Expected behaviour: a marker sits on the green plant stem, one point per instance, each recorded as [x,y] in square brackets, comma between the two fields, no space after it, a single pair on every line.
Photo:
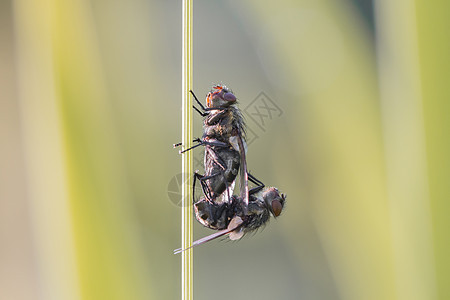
[186,219]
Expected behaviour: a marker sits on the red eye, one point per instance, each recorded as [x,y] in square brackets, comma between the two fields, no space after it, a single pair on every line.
[229,97]
[276,207]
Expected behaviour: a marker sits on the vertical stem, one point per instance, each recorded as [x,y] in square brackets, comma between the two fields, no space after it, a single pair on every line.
[186,219]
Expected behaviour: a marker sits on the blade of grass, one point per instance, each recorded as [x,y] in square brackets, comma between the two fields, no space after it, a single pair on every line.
[404,144]
[434,46]
[43,140]
[186,217]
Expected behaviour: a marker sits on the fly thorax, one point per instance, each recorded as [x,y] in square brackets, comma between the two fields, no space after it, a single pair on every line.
[256,207]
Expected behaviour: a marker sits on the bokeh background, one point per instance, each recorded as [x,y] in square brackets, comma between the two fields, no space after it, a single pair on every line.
[90,104]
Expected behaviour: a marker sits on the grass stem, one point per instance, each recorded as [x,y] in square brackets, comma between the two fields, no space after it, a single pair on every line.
[186,222]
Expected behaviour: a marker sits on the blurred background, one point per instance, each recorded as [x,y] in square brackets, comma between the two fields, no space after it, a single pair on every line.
[347,104]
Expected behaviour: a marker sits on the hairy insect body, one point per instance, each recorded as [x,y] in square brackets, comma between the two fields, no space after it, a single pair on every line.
[223,162]
[262,204]
[223,124]
[225,157]
[223,127]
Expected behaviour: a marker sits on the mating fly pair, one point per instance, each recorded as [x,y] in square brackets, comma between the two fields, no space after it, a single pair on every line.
[225,157]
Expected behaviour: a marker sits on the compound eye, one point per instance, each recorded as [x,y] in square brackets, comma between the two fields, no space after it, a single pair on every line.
[229,97]
[276,207]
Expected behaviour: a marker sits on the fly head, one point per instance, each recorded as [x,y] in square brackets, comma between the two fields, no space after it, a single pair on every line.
[220,97]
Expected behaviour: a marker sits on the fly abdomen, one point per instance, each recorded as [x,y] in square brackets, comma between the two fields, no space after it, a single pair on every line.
[213,215]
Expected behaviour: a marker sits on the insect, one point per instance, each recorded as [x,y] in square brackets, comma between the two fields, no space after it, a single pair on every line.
[222,165]
[235,218]
[224,141]
[225,154]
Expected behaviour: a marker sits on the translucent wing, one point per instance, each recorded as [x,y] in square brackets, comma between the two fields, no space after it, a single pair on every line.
[243,170]
[235,224]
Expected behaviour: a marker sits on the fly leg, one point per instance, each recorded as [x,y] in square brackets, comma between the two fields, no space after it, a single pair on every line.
[206,190]
[215,158]
[203,114]
[223,167]
[196,140]
[205,109]
[215,118]
[193,187]
[213,143]
[202,143]
[259,184]
[205,187]
[199,103]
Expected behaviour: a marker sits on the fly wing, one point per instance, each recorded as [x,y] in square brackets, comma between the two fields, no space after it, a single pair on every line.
[243,170]
[235,224]
[239,144]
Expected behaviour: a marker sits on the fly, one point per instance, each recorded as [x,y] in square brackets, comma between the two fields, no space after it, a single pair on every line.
[225,146]
[235,218]
[225,156]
